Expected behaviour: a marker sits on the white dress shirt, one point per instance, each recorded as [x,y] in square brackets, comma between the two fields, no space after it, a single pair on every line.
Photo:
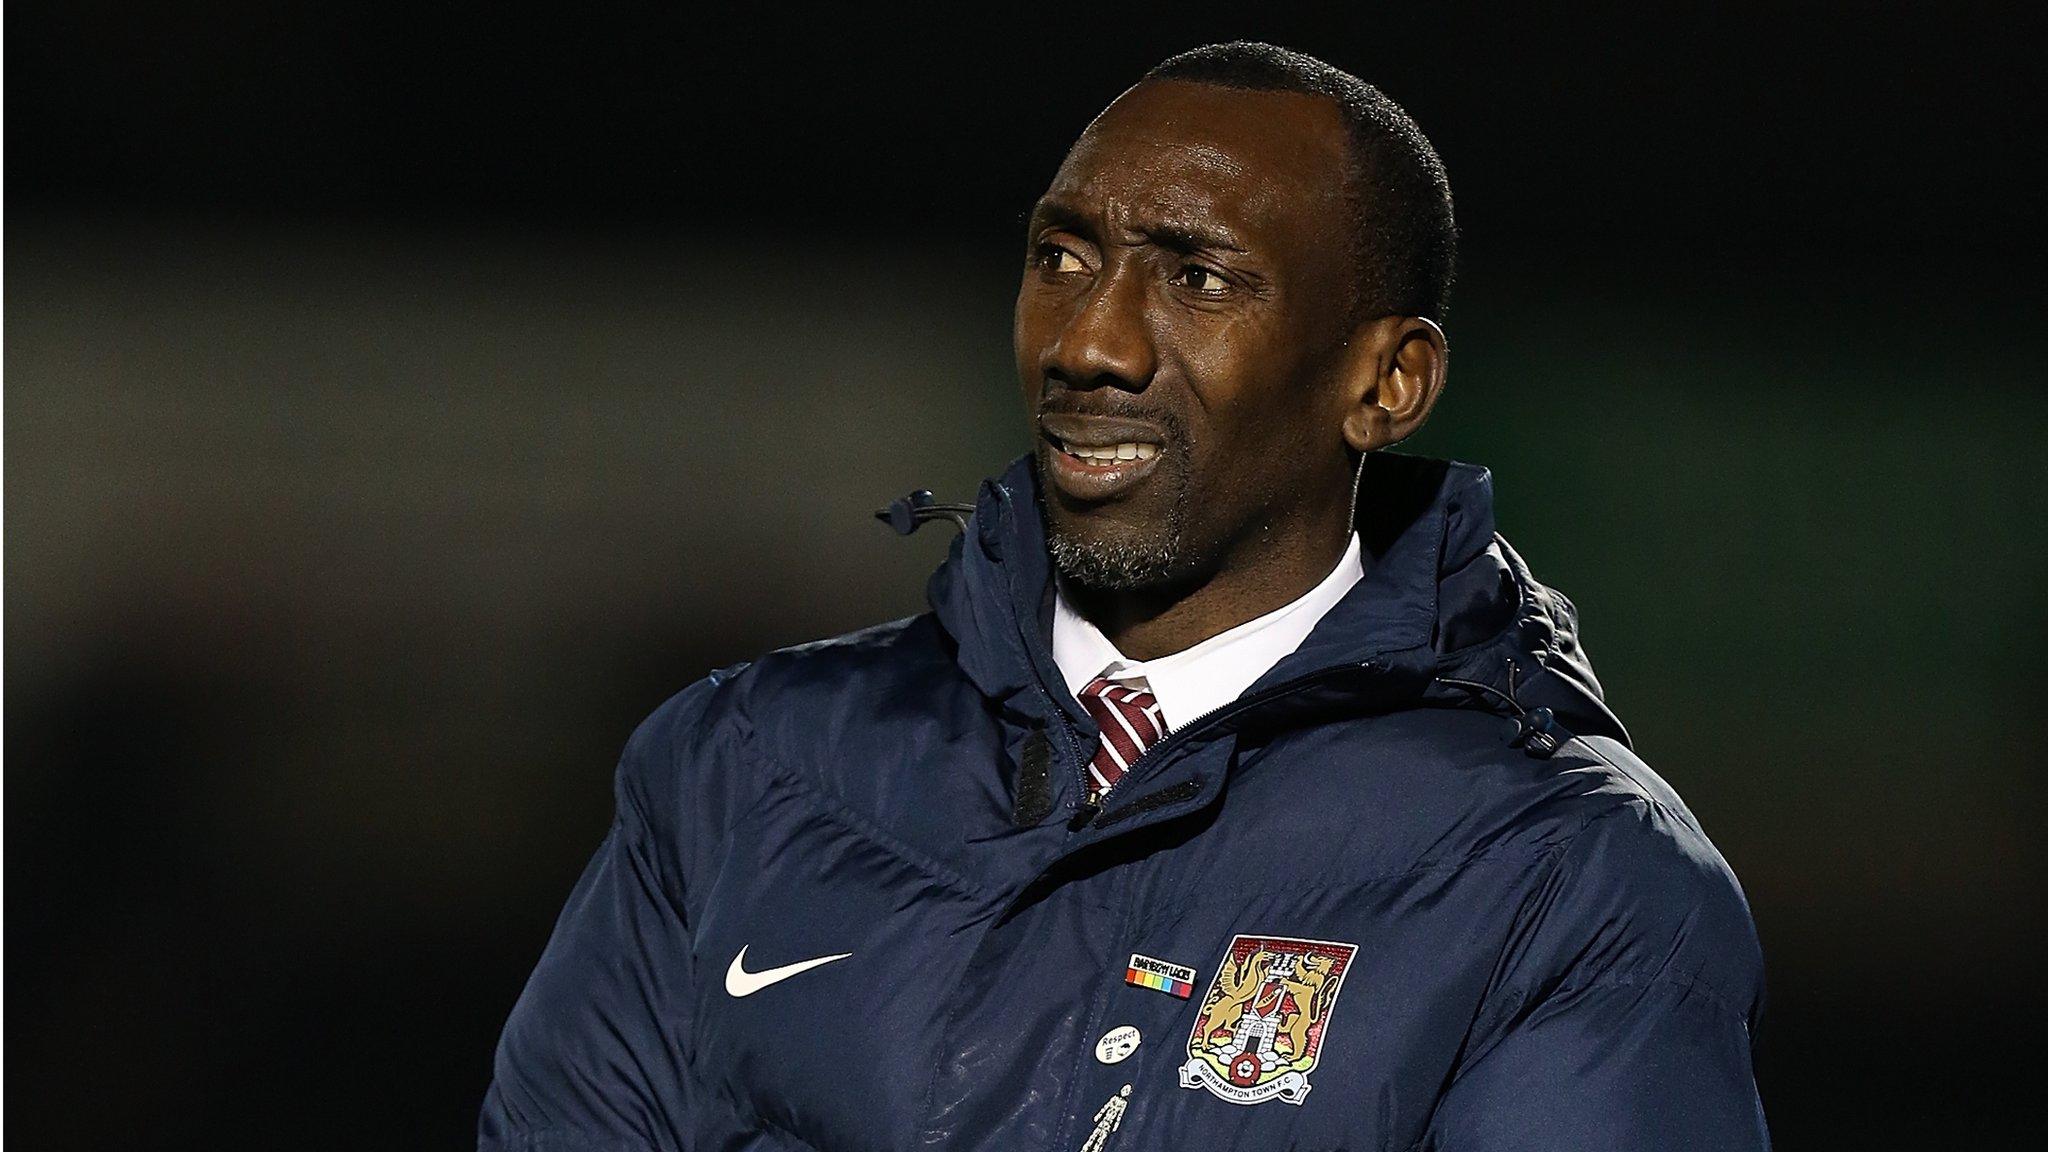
[1198,680]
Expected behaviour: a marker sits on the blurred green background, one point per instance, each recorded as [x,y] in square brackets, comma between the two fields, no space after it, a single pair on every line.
[397,411]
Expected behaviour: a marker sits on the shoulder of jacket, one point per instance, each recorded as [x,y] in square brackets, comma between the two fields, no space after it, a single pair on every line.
[1613,821]
[1463,781]
[1623,849]
[698,752]
[870,657]
[1638,893]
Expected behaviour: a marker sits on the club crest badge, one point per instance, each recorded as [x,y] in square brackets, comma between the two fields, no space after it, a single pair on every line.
[1264,1018]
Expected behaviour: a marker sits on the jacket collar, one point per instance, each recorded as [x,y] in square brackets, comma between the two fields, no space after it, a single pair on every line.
[1444,598]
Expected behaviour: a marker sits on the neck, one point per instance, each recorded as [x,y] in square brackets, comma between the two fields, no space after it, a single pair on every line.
[1269,570]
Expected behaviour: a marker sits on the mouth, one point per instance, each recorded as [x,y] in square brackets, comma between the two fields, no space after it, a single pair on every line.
[1094,458]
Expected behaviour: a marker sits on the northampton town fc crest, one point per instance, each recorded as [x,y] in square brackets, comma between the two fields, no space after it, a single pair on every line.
[1264,1018]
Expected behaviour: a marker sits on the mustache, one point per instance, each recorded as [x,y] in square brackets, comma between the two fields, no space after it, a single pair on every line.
[1065,404]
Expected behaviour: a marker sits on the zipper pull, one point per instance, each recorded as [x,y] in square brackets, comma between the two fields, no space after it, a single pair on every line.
[1539,734]
[1085,814]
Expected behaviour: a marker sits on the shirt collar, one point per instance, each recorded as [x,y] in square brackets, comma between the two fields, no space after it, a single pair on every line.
[1198,680]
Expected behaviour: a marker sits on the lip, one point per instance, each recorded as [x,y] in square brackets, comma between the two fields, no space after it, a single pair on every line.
[1088,480]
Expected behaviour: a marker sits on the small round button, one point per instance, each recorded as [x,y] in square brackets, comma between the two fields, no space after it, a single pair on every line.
[1117,1044]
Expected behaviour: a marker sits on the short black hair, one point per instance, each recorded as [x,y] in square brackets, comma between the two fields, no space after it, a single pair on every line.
[1406,237]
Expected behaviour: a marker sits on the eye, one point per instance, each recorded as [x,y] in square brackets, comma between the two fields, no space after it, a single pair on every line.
[1206,281]
[1057,260]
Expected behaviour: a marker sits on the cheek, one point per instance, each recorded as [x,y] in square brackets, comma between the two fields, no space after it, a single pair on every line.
[1246,397]
[1031,327]
[1229,358]
[1256,442]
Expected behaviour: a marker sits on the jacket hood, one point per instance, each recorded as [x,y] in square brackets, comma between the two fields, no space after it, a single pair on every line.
[1446,604]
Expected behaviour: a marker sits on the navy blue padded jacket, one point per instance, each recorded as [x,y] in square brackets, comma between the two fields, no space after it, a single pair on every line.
[1412,890]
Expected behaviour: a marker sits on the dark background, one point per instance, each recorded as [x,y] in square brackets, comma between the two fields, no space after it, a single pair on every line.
[403,399]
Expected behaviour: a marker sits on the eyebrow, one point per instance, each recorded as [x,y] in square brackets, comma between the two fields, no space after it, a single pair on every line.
[1179,235]
[1183,236]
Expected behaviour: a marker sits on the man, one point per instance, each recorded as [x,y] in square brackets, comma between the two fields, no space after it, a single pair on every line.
[1241,789]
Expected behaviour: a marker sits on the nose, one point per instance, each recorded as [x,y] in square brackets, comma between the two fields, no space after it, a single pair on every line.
[1105,341]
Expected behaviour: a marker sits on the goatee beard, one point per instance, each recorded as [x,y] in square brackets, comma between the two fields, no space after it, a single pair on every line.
[1127,562]
[1115,565]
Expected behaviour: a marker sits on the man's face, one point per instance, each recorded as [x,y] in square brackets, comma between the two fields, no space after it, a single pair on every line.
[1188,283]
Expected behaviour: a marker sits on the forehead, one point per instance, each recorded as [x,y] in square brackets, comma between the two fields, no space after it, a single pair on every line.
[1272,164]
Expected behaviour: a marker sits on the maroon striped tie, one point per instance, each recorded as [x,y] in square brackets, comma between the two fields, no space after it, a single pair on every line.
[1130,722]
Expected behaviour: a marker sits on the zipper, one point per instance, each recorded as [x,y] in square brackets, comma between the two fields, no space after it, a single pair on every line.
[1070,737]
[1085,814]
[1088,814]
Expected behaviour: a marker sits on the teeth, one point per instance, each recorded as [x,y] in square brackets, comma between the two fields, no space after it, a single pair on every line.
[1110,453]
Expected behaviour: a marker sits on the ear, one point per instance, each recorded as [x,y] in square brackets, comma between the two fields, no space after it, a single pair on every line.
[1394,372]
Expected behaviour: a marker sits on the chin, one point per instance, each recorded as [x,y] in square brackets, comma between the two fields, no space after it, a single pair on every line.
[1113,557]
[1126,544]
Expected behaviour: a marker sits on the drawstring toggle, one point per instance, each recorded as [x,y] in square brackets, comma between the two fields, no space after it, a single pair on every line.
[909,513]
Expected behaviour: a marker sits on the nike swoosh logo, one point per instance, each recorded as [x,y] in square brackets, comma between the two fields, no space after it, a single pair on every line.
[740,982]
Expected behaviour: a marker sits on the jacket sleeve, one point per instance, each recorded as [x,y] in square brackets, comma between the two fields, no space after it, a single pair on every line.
[593,1058]
[1624,1021]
